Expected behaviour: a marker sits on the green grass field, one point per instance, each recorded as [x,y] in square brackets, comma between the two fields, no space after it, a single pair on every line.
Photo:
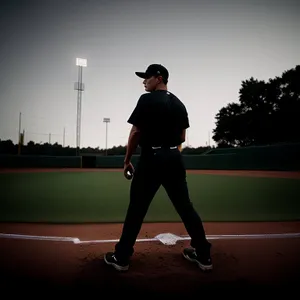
[77,197]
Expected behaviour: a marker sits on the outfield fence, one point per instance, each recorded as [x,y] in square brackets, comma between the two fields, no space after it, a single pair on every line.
[276,157]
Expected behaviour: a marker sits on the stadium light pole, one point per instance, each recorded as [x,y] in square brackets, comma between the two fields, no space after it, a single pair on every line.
[79,86]
[106,121]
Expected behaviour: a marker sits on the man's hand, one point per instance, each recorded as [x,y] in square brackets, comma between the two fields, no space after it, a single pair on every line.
[128,170]
[133,141]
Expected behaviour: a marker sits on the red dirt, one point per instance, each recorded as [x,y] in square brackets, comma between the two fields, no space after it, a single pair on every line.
[244,263]
[248,264]
[280,174]
[273,174]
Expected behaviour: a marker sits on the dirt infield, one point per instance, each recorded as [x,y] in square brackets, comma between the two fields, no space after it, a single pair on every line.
[155,267]
[279,174]
[243,263]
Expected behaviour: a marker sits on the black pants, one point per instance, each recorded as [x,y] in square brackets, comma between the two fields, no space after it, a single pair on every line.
[155,168]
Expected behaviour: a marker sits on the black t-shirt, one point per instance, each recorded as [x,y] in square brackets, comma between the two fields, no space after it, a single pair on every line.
[161,117]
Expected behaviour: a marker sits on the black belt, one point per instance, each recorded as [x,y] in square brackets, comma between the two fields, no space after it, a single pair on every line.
[154,148]
[164,147]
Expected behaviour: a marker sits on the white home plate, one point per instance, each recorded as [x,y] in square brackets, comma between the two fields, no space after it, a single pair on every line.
[168,238]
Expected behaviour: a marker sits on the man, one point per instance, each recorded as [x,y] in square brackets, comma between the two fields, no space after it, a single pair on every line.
[159,122]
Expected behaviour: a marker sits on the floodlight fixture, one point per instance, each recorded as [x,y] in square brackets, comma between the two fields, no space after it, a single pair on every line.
[81,62]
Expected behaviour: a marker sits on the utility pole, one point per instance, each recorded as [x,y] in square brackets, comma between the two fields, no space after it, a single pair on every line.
[64,137]
[187,138]
[19,137]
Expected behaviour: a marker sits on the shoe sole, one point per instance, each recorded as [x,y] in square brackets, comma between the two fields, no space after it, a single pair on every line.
[117,267]
[201,266]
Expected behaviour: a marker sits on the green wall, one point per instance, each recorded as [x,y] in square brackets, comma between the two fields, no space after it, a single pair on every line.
[277,157]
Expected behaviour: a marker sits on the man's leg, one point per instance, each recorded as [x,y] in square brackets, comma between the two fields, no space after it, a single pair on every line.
[179,195]
[144,186]
[175,184]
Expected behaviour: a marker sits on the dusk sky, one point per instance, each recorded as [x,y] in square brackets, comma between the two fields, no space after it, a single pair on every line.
[209,47]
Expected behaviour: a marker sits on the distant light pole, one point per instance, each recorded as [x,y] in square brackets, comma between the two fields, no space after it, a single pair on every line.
[79,86]
[19,139]
[106,120]
[187,138]
[64,137]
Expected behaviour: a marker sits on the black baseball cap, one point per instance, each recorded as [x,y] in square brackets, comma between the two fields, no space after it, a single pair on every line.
[154,70]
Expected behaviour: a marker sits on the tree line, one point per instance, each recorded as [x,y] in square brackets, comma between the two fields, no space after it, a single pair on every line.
[266,113]
[8,147]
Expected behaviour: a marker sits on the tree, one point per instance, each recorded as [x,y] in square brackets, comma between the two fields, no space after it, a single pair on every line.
[266,113]
[229,119]
[7,147]
[289,105]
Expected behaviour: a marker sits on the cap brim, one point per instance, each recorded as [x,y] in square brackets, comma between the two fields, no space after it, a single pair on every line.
[141,75]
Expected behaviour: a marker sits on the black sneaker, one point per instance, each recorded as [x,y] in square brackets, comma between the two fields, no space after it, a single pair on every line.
[203,262]
[111,259]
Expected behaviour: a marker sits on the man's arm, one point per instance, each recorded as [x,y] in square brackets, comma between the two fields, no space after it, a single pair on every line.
[133,141]
[184,124]
[136,119]
[182,137]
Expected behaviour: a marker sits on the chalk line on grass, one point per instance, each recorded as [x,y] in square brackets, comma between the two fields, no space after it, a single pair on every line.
[164,238]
